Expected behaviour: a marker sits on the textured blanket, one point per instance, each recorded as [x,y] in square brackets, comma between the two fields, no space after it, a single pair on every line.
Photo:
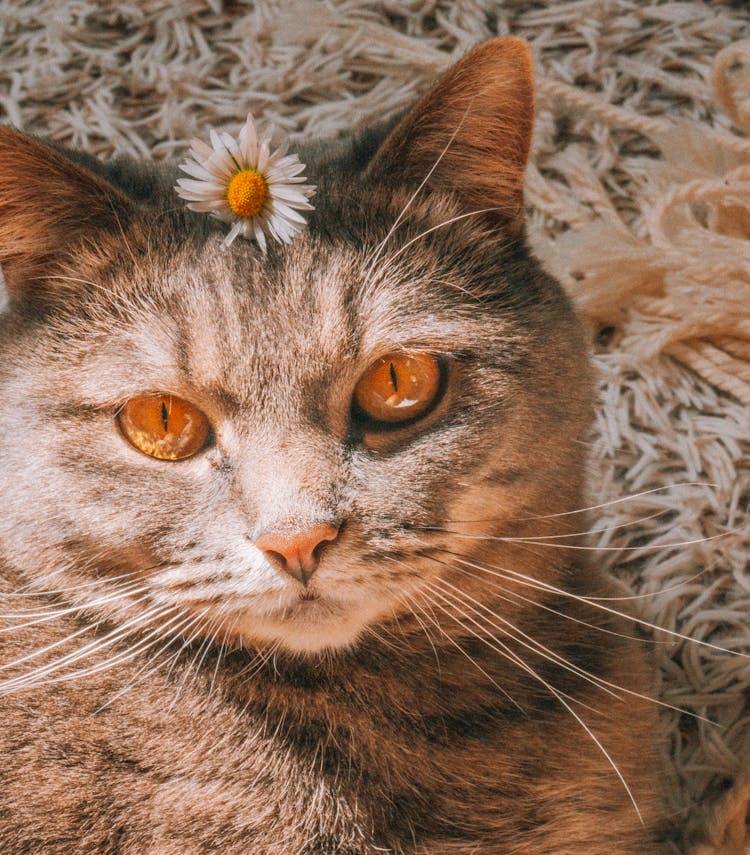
[639,201]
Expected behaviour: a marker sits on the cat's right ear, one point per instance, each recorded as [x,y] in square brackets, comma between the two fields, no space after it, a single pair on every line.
[470,134]
[51,209]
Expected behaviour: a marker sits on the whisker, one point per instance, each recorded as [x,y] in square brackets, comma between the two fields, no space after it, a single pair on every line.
[544,538]
[499,646]
[517,635]
[379,248]
[201,629]
[227,633]
[536,542]
[413,607]
[513,597]
[553,656]
[41,651]
[473,661]
[609,504]
[605,530]
[441,225]
[58,643]
[97,644]
[76,280]
[560,696]
[371,630]
[58,613]
[260,660]
[29,590]
[456,287]
[536,584]
[193,669]
[143,644]
[139,676]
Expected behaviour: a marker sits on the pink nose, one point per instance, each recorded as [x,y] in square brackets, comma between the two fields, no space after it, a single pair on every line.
[298,553]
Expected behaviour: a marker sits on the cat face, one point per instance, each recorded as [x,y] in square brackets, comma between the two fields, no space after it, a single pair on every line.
[283,359]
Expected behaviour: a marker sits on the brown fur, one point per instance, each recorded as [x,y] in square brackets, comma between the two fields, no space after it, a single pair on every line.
[393,711]
[47,203]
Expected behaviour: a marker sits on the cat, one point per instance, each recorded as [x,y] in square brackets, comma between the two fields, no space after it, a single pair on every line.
[318,623]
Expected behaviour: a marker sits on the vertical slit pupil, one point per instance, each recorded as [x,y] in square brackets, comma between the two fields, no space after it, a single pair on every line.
[394,377]
[164,416]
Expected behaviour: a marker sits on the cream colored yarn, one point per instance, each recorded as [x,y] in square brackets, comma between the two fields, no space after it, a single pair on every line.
[683,287]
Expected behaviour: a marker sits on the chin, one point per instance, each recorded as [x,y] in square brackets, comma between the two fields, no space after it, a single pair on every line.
[308,626]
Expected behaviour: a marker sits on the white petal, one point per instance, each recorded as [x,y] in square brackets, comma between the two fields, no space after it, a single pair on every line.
[199,150]
[190,197]
[215,140]
[192,185]
[222,165]
[202,200]
[289,173]
[197,170]
[280,153]
[197,197]
[286,231]
[285,179]
[290,195]
[282,210]
[290,162]
[263,154]
[261,238]
[301,204]
[276,228]
[280,189]
[232,234]
[213,205]
[249,141]
[233,149]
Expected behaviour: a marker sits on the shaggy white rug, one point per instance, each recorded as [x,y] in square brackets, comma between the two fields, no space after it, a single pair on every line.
[647,223]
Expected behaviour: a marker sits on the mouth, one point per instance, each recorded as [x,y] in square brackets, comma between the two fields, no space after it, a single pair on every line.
[311,608]
[307,625]
[306,621]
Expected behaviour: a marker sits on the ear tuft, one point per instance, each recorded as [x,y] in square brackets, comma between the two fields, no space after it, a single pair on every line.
[49,205]
[473,129]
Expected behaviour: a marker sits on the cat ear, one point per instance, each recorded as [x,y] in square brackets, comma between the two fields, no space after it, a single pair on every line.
[473,129]
[50,208]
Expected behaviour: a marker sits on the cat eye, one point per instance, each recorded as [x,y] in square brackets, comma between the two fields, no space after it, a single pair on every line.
[164,426]
[399,387]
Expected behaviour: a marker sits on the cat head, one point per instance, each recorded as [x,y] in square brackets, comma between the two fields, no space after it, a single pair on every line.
[287,448]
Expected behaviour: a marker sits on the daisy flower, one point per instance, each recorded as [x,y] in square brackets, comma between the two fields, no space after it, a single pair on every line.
[243,182]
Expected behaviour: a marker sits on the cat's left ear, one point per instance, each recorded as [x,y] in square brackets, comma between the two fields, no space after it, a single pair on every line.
[51,209]
[473,129]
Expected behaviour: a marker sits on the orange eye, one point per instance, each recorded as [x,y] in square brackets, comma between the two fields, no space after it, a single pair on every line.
[399,387]
[163,426]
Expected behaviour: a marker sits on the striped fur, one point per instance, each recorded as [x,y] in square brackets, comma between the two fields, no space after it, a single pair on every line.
[445,686]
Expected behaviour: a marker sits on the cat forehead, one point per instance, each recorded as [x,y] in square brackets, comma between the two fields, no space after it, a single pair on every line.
[236,322]
[245,323]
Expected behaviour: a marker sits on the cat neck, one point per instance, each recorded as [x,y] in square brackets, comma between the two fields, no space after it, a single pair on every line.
[468,659]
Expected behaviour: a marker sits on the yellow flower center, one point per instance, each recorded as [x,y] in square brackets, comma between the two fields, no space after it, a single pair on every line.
[246,192]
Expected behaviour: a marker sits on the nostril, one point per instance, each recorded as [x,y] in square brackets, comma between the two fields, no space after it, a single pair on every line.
[319,549]
[276,558]
[297,553]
